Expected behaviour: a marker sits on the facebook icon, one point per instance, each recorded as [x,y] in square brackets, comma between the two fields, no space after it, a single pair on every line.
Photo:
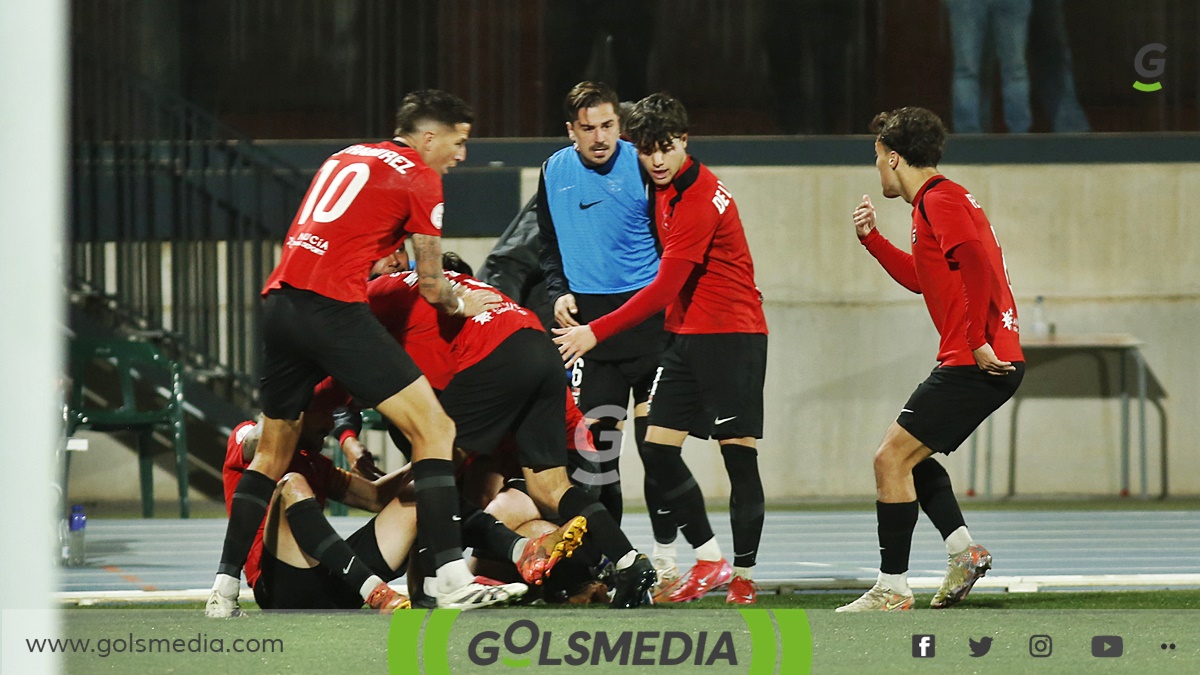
[923,646]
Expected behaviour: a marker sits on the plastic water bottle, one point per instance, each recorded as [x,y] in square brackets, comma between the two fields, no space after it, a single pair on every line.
[64,542]
[1039,327]
[75,541]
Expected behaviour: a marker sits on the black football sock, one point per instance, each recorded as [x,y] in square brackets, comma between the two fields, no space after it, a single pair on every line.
[607,439]
[316,537]
[896,524]
[936,496]
[600,524]
[746,502]
[661,522]
[680,492]
[437,511]
[246,512]
[484,534]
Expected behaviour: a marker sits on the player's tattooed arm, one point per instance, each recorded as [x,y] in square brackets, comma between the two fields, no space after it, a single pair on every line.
[430,281]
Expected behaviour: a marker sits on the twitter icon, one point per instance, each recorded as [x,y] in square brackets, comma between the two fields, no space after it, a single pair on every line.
[981,647]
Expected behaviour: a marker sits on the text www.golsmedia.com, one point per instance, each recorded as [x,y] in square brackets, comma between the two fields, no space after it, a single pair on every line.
[199,644]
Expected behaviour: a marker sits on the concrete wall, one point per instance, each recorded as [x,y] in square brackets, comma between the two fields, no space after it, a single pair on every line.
[1111,247]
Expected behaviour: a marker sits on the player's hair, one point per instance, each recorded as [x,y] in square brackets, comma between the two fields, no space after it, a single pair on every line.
[916,134]
[452,262]
[431,105]
[588,94]
[655,122]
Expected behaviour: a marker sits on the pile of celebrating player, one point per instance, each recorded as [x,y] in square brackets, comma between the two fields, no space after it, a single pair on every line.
[514,434]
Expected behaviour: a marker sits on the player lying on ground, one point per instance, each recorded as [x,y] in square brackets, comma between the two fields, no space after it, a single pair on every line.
[532,557]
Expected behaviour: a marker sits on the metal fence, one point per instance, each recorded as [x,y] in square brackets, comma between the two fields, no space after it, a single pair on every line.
[175,220]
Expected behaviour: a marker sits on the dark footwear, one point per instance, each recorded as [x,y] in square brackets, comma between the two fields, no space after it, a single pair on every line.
[632,584]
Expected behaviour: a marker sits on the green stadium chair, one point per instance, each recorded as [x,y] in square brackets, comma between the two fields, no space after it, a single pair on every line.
[128,357]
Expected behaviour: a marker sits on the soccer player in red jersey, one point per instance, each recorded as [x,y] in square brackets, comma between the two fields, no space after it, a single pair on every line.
[957,266]
[299,562]
[363,202]
[508,379]
[710,381]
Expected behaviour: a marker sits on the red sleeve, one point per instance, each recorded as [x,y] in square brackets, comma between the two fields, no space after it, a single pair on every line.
[391,300]
[977,287]
[425,204]
[235,461]
[898,264]
[672,274]
[693,226]
[949,219]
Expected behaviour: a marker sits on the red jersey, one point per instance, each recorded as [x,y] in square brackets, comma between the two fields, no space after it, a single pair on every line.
[423,331]
[698,221]
[314,466]
[484,332]
[952,216]
[359,207]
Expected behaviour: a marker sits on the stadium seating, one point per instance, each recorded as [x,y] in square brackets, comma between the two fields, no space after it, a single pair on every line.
[141,361]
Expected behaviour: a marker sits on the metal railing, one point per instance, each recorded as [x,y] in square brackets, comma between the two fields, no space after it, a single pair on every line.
[176,221]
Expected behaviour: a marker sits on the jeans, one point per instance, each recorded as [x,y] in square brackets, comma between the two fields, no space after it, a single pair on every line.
[1050,63]
[1006,22]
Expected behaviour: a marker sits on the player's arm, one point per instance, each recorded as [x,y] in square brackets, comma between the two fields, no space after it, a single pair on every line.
[977,280]
[898,264]
[550,258]
[373,496]
[431,283]
[347,426]
[672,274]
[956,233]
[685,249]
[437,290]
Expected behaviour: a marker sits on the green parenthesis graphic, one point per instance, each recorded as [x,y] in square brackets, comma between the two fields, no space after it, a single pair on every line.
[403,636]
[1153,86]
[795,638]
[762,641]
[437,641]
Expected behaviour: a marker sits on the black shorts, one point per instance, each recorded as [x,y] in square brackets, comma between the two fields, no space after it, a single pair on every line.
[608,383]
[520,387]
[282,586]
[953,401]
[711,385]
[309,336]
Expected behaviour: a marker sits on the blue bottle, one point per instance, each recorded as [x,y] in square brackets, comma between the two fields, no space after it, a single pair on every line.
[76,544]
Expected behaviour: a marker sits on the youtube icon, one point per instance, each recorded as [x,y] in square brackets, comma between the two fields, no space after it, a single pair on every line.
[1107,646]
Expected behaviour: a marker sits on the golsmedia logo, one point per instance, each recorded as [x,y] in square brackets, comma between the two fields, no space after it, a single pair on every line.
[757,641]
[1150,64]
[637,648]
